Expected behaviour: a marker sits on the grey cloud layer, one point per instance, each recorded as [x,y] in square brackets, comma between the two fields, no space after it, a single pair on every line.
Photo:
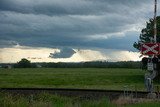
[52,23]
[61,7]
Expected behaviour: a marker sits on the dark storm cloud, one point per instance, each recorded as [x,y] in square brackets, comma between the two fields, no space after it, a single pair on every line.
[53,23]
[64,53]
[61,7]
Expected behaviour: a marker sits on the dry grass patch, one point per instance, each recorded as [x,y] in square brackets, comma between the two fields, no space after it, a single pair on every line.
[121,101]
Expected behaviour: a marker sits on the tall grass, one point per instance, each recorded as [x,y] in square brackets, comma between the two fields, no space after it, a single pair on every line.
[41,100]
[47,100]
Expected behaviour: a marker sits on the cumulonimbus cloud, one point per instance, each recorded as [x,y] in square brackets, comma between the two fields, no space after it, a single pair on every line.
[52,23]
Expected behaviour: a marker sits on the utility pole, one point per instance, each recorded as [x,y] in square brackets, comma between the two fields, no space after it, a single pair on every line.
[155,22]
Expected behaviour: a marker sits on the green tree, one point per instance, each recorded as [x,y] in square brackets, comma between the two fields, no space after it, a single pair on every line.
[24,63]
[147,33]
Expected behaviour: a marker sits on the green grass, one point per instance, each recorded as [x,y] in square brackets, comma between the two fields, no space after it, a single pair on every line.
[97,78]
[47,100]
[42,100]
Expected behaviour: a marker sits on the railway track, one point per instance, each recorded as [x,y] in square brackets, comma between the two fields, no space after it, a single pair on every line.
[80,93]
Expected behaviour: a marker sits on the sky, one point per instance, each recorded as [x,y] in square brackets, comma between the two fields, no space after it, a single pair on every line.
[72,30]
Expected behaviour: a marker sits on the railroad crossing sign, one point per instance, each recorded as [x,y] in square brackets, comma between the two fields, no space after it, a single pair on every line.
[150,49]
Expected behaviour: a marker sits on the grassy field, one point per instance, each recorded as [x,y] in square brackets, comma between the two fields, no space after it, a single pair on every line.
[97,78]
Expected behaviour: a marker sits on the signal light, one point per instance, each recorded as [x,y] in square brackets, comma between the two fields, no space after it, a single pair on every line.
[155,60]
[144,61]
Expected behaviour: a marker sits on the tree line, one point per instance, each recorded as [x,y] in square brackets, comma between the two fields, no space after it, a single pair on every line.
[95,64]
[24,63]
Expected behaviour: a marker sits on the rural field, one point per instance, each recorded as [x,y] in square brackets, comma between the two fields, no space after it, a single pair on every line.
[90,78]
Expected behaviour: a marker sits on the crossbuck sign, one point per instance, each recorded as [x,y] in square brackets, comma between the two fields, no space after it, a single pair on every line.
[150,49]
